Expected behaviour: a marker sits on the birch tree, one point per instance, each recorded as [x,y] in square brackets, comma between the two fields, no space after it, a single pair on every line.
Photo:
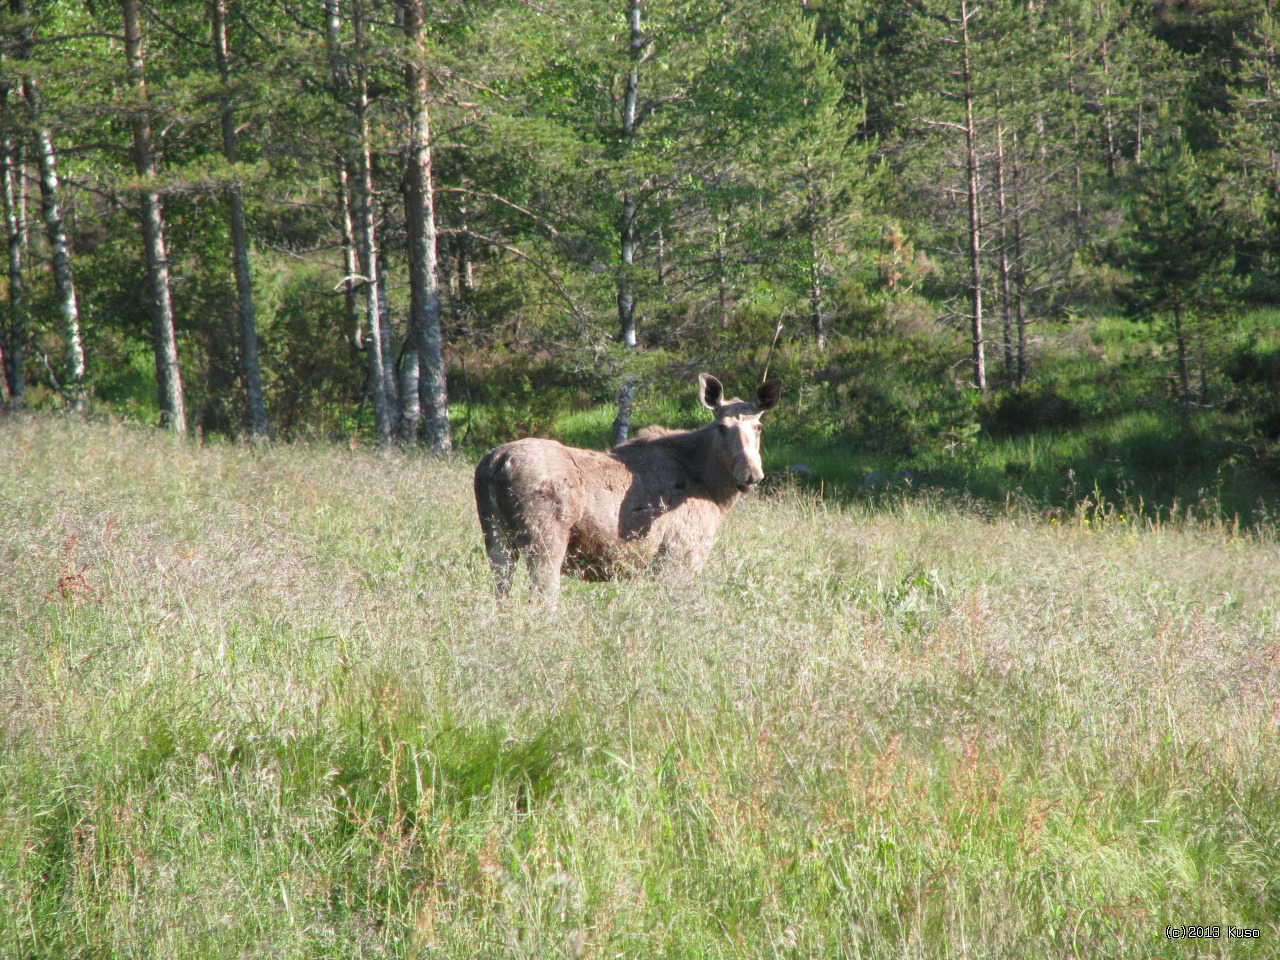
[13,343]
[353,85]
[55,230]
[627,221]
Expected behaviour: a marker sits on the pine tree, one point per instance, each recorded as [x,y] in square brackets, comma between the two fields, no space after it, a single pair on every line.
[953,106]
[250,367]
[1175,249]
[819,172]
[424,280]
[164,342]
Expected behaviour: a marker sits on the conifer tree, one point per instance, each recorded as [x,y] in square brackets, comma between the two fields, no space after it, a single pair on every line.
[251,370]
[164,342]
[1176,251]
[420,216]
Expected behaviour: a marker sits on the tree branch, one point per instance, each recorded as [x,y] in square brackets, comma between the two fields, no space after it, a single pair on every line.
[540,267]
[519,209]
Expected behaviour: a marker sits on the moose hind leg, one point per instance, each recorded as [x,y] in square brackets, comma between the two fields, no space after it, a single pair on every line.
[545,557]
[502,561]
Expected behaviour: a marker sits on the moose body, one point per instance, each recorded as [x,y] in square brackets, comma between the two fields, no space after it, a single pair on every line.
[657,499]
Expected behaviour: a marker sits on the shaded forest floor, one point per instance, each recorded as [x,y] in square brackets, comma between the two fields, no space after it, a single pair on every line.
[262,700]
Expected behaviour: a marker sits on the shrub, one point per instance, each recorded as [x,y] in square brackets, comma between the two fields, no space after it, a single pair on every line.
[1029,410]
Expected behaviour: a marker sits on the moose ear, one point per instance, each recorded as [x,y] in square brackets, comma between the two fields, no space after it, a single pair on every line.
[710,391]
[768,395]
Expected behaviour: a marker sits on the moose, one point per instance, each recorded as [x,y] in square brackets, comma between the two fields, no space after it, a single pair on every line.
[654,501]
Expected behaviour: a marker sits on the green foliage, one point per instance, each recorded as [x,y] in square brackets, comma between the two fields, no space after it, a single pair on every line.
[1039,408]
[315,377]
[1176,246]
[791,160]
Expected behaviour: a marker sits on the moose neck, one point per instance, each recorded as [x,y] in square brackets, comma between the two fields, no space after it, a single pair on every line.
[716,478]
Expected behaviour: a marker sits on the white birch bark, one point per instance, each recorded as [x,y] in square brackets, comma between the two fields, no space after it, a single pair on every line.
[366,232]
[350,263]
[627,230]
[14,340]
[60,250]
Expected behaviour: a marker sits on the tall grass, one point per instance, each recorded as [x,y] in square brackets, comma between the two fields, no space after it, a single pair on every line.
[260,703]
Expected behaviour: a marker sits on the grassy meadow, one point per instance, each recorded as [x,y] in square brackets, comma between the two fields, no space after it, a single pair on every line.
[260,703]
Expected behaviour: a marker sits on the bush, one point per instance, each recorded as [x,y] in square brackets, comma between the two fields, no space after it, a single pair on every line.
[1253,370]
[1030,410]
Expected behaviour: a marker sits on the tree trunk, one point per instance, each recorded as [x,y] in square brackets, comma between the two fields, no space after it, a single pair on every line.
[360,163]
[1075,146]
[1268,88]
[815,295]
[14,341]
[1184,371]
[661,254]
[249,366]
[387,330]
[466,273]
[424,278]
[465,267]
[172,411]
[1107,126]
[1137,139]
[815,277]
[338,79]
[1019,271]
[410,391]
[626,284]
[1005,298]
[627,230]
[366,229]
[975,246]
[350,264]
[626,403]
[1204,376]
[63,278]
[722,281]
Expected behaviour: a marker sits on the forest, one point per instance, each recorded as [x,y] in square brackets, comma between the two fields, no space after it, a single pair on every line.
[1028,247]
[987,666]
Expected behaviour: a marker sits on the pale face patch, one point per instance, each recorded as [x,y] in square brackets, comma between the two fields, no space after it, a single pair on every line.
[738,431]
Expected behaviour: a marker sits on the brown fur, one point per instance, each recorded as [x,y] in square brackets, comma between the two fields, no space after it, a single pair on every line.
[656,499]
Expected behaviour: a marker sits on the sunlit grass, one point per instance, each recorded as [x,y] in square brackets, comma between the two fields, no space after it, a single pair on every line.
[259,702]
